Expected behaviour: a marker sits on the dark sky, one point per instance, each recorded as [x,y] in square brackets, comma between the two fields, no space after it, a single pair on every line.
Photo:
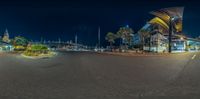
[63,19]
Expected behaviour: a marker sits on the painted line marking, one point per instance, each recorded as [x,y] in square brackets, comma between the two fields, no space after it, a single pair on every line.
[194,56]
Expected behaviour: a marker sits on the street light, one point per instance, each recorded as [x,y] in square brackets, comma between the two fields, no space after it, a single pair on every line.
[170,33]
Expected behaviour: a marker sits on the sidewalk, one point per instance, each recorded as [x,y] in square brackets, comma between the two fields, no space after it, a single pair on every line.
[139,54]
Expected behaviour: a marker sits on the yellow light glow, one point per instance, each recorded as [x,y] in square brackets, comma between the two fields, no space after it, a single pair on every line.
[159,21]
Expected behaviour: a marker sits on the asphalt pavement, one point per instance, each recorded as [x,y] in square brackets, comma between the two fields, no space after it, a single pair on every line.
[85,75]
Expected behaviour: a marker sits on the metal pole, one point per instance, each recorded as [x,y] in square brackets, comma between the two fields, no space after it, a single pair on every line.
[157,43]
[76,40]
[142,44]
[99,38]
[150,43]
[170,35]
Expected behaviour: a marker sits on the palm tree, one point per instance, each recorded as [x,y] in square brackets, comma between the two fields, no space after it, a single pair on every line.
[126,35]
[146,35]
[143,34]
[110,37]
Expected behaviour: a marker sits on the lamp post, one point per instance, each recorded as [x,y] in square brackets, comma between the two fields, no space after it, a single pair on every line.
[170,34]
[76,42]
[99,38]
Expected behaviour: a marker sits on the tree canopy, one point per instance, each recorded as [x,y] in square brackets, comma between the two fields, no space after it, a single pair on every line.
[126,34]
[20,41]
[110,37]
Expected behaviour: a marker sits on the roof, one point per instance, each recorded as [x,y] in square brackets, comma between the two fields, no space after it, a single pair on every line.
[159,21]
[173,12]
[166,13]
[3,43]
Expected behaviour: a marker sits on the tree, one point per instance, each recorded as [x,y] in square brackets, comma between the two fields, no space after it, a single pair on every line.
[20,41]
[110,37]
[144,34]
[149,34]
[126,35]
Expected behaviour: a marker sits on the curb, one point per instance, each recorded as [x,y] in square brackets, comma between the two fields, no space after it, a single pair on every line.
[39,57]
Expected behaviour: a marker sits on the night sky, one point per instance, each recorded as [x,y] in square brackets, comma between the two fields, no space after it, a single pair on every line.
[63,19]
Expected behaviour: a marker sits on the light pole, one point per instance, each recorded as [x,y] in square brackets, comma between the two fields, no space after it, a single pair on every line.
[99,38]
[76,42]
[170,34]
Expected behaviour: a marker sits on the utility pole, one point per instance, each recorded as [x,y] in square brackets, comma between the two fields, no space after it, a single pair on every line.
[59,40]
[41,40]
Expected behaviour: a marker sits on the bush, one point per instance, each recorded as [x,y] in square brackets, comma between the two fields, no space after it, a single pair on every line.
[36,50]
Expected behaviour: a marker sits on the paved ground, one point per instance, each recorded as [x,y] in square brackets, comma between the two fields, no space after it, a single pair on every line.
[95,76]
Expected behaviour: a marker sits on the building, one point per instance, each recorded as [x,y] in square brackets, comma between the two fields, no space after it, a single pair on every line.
[5,45]
[6,37]
[164,33]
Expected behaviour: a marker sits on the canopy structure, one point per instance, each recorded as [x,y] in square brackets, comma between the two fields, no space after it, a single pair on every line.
[172,13]
[159,21]
[162,19]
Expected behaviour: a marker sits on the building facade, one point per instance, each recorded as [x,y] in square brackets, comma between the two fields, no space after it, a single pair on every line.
[6,38]
[5,41]
[164,32]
